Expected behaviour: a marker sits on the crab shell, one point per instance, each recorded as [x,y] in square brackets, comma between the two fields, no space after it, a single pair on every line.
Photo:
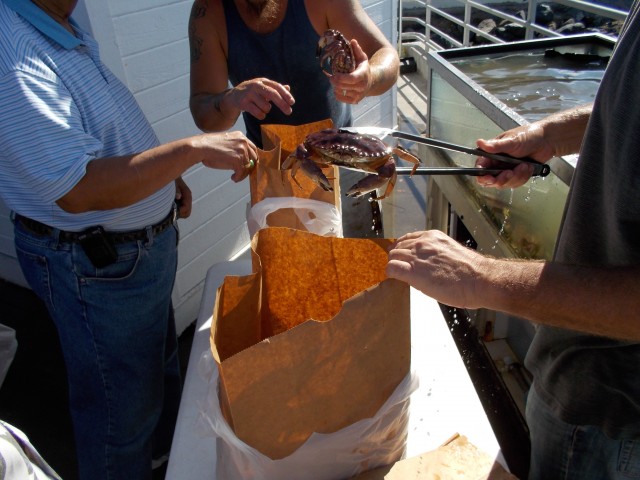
[335,53]
[354,151]
[347,149]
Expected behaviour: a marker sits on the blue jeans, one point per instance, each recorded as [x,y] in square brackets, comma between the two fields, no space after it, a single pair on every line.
[119,343]
[561,451]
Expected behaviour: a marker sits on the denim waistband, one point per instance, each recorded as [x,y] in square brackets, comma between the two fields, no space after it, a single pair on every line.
[42,229]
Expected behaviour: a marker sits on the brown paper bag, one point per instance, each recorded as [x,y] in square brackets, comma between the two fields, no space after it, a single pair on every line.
[313,341]
[268,181]
[457,459]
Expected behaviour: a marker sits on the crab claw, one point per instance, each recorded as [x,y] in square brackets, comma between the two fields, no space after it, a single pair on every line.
[300,159]
[315,173]
[385,175]
[366,185]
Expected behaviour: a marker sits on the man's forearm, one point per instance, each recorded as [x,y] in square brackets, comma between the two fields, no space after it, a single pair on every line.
[601,301]
[565,129]
[211,113]
[384,71]
[117,182]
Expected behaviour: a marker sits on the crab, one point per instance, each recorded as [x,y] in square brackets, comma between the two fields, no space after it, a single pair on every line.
[354,151]
[335,53]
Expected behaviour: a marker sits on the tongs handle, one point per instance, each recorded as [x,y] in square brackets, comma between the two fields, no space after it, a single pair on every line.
[473,172]
[539,169]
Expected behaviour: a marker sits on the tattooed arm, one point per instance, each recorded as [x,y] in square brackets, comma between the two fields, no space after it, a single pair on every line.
[209,77]
[214,106]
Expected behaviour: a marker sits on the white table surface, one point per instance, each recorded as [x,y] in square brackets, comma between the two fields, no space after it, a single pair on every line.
[445,403]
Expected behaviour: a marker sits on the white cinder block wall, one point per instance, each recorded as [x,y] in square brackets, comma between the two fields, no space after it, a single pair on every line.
[145,44]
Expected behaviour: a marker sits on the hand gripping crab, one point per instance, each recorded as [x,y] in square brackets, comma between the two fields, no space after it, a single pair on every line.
[350,150]
[335,53]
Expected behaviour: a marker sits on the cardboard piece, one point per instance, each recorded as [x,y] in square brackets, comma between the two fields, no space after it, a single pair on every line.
[456,459]
[267,180]
[314,340]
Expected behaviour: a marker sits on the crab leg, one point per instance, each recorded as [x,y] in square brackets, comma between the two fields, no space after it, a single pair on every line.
[406,155]
[385,175]
[301,159]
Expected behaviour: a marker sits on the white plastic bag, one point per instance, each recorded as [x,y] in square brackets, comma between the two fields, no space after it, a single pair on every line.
[8,346]
[318,217]
[19,459]
[361,446]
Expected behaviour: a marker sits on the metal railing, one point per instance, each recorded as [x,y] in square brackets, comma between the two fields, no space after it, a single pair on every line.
[531,28]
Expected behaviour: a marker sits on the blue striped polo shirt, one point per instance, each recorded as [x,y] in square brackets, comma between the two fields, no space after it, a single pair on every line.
[61,108]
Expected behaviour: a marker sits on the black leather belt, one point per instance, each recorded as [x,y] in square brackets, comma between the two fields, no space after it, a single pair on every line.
[117,237]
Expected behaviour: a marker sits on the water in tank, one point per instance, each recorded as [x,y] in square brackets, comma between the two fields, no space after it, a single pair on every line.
[479,92]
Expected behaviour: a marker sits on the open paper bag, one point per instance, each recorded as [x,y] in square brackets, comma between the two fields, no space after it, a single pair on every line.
[267,181]
[314,340]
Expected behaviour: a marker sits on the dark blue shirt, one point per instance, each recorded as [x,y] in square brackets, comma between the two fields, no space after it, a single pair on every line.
[288,56]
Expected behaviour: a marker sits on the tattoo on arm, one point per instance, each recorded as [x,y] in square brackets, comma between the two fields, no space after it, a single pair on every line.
[195,44]
[199,10]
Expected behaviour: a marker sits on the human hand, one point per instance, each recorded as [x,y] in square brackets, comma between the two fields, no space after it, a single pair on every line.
[228,151]
[184,199]
[524,141]
[258,95]
[438,266]
[353,87]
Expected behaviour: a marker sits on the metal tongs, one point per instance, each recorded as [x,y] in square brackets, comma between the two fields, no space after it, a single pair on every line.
[539,169]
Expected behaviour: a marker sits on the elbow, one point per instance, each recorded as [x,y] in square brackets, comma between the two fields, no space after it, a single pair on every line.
[206,118]
[199,120]
[196,111]
[199,114]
